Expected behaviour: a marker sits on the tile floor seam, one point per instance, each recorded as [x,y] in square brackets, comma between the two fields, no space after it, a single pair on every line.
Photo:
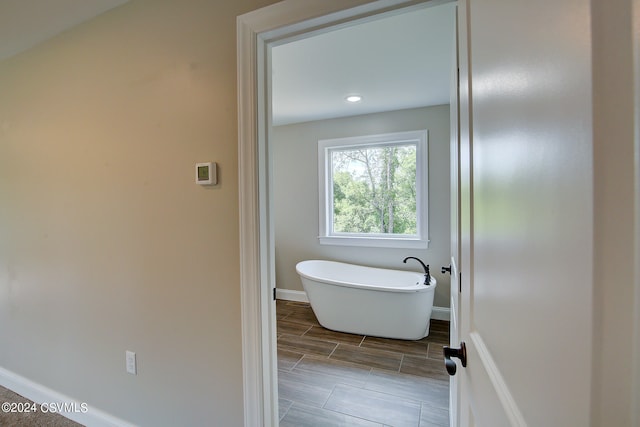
[397,396]
[308,329]
[286,412]
[329,397]
[296,364]
[362,340]
[333,351]
[417,403]
[348,415]
[355,416]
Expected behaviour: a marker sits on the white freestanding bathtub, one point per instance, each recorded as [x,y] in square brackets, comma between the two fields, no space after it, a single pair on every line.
[368,301]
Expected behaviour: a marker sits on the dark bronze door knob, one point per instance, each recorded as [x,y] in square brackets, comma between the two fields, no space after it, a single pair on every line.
[460,353]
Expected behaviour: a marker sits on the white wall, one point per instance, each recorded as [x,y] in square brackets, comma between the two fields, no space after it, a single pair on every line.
[106,243]
[295,178]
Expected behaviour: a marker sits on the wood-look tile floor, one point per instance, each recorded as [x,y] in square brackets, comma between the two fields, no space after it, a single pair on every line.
[328,378]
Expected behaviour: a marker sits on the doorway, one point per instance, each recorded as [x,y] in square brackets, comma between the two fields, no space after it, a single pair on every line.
[257,207]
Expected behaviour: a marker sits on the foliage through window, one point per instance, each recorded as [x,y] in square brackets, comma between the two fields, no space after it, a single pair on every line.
[373,190]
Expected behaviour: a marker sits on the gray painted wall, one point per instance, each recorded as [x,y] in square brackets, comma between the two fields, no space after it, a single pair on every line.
[106,242]
[295,179]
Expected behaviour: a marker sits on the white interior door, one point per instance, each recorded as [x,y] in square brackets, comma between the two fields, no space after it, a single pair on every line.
[526,241]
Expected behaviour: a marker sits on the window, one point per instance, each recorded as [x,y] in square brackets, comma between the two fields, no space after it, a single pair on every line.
[373,190]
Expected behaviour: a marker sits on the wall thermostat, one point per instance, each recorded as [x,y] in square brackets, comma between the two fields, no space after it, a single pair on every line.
[206,173]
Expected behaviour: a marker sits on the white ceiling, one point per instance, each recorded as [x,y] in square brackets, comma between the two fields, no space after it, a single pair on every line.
[27,23]
[397,62]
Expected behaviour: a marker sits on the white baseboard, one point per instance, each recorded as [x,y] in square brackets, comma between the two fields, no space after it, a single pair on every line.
[289,295]
[438,313]
[80,412]
[441,313]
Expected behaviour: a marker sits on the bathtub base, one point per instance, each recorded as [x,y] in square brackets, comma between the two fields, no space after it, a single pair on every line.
[385,315]
[382,313]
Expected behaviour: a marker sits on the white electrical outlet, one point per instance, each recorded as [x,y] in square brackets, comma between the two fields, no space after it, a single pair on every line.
[131,362]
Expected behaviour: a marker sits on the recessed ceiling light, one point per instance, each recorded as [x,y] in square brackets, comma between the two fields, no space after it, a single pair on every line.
[353,98]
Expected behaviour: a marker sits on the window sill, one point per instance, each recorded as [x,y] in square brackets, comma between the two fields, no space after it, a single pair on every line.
[374,242]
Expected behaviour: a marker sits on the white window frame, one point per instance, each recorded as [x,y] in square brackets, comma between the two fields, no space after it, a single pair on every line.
[325,183]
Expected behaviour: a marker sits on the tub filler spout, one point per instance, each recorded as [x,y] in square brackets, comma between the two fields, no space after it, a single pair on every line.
[427,275]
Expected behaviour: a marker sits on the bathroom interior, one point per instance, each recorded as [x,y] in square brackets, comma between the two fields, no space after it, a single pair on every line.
[401,66]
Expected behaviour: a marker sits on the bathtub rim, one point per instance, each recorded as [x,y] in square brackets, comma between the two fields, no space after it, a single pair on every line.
[404,289]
